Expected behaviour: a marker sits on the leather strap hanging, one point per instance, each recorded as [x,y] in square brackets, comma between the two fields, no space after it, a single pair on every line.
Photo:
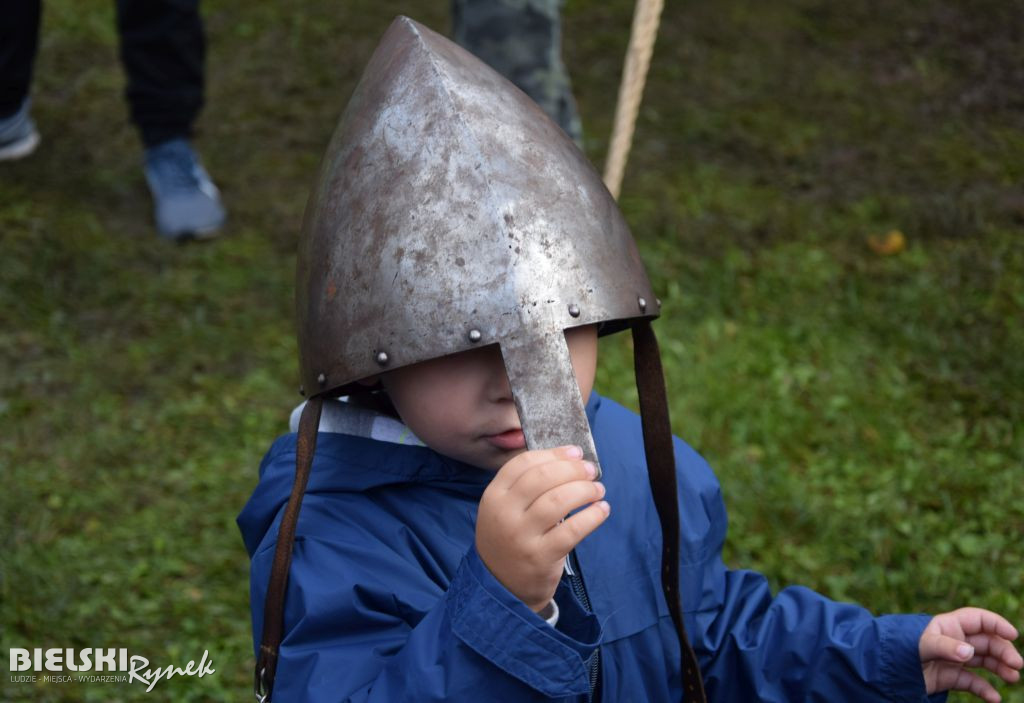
[661,469]
[273,607]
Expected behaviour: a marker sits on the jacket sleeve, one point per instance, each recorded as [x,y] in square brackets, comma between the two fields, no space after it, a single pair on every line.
[794,646]
[369,627]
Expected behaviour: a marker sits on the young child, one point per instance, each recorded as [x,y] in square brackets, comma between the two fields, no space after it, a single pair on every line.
[459,260]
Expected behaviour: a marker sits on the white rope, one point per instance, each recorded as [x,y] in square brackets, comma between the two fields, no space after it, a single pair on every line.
[634,73]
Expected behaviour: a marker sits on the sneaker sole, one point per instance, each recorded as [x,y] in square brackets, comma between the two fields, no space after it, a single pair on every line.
[21,148]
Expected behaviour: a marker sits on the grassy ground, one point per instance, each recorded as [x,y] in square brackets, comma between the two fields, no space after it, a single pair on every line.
[864,409]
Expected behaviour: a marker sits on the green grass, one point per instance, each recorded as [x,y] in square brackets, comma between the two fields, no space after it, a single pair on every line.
[863,412]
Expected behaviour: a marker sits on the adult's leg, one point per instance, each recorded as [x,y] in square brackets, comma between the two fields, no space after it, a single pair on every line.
[522,40]
[163,51]
[19,38]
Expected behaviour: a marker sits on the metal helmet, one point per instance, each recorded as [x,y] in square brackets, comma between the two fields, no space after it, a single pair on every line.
[450,212]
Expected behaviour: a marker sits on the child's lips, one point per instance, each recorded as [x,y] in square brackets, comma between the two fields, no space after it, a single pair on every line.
[508,440]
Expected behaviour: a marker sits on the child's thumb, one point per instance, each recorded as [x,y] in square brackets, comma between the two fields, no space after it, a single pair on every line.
[936,646]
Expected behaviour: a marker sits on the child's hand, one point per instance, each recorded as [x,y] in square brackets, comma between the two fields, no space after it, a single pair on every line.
[968,637]
[520,533]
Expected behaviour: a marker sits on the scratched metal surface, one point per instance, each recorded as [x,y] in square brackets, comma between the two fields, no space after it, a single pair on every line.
[450,212]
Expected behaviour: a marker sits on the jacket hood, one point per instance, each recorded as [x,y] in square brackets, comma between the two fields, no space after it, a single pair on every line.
[346,463]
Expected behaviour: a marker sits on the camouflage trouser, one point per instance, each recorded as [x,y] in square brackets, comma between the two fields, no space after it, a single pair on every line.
[522,40]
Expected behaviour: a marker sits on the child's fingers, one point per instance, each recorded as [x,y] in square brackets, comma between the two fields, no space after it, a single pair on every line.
[997,655]
[1006,673]
[935,646]
[541,478]
[971,682]
[563,537]
[998,647]
[975,620]
[553,505]
[520,464]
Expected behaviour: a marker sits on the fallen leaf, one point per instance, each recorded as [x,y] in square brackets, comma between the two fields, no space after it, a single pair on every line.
[886,245]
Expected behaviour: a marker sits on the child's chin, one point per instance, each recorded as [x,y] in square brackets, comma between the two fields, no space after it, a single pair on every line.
[497,458]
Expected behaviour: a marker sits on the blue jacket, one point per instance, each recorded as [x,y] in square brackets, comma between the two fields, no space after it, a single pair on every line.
[388,600]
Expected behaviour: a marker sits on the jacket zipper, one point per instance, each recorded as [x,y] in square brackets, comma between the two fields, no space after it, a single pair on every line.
[572,570]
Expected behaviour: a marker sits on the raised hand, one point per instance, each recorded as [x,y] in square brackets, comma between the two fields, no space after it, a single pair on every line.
[522,533]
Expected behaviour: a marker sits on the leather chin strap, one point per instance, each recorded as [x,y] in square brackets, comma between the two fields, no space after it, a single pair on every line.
[273,607]
[661,467]
[661,470]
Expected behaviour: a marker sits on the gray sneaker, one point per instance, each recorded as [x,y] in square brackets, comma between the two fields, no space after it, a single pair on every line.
[18,135]
[186,202]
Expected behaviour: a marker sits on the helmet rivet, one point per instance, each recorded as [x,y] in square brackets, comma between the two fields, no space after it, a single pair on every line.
[383,358]
[321,379]
[475,336]
[642,302]
[574,309]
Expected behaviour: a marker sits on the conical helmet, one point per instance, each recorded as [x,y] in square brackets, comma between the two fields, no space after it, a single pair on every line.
[450,212]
